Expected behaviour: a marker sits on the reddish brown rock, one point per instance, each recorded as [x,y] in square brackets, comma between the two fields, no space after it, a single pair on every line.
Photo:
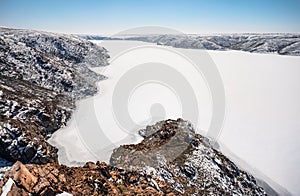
[91,179]
[22,177]
[15,191]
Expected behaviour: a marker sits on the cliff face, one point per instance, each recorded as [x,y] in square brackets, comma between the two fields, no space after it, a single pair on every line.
[41,76]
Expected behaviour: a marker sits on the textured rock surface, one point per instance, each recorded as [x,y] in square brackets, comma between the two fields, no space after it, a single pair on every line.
[52,61]
[41,76]
[91,179]
[171,151]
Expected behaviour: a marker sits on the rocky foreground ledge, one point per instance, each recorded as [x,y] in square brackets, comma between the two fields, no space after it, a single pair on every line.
[171,160]
[91,179]
[172,152]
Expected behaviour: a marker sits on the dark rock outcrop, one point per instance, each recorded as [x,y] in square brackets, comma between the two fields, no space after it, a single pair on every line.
[173,152]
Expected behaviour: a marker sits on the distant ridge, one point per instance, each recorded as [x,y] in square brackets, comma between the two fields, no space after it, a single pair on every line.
[280,43]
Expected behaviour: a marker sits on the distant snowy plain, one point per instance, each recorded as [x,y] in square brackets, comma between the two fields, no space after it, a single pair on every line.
[261,131]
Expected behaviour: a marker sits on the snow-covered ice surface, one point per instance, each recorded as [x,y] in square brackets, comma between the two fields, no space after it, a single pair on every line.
[263,109]
[262,112]
[96,112]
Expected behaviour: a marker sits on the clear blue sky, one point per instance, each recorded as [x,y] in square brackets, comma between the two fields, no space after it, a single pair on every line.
[188,16]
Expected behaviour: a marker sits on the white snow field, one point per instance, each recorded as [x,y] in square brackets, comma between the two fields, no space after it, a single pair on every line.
[262,121]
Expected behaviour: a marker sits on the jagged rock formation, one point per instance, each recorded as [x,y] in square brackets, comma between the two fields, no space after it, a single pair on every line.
[41,76]
[172,152]
[91,179]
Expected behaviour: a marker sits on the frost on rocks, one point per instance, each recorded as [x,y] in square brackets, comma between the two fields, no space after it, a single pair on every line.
[52,61]
[41,76]
[283,44]
[172,152]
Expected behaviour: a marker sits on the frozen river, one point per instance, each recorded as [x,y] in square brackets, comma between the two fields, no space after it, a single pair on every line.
[262,119]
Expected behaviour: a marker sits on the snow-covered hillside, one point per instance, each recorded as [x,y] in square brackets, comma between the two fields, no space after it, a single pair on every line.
[283,44]
[41,76]
[52,61]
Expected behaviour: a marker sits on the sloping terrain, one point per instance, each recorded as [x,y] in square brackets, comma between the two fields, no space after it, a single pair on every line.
[172,152]
[41,76]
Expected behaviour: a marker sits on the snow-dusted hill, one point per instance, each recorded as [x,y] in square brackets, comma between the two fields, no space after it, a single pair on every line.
[52,61]
[283,44]
[41,76]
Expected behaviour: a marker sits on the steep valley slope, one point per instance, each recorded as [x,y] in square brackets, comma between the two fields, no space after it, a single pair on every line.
[41,76]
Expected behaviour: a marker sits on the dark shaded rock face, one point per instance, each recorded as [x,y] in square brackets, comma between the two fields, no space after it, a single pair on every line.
[91,179]
[29,114]
[171,151]
[41,76]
